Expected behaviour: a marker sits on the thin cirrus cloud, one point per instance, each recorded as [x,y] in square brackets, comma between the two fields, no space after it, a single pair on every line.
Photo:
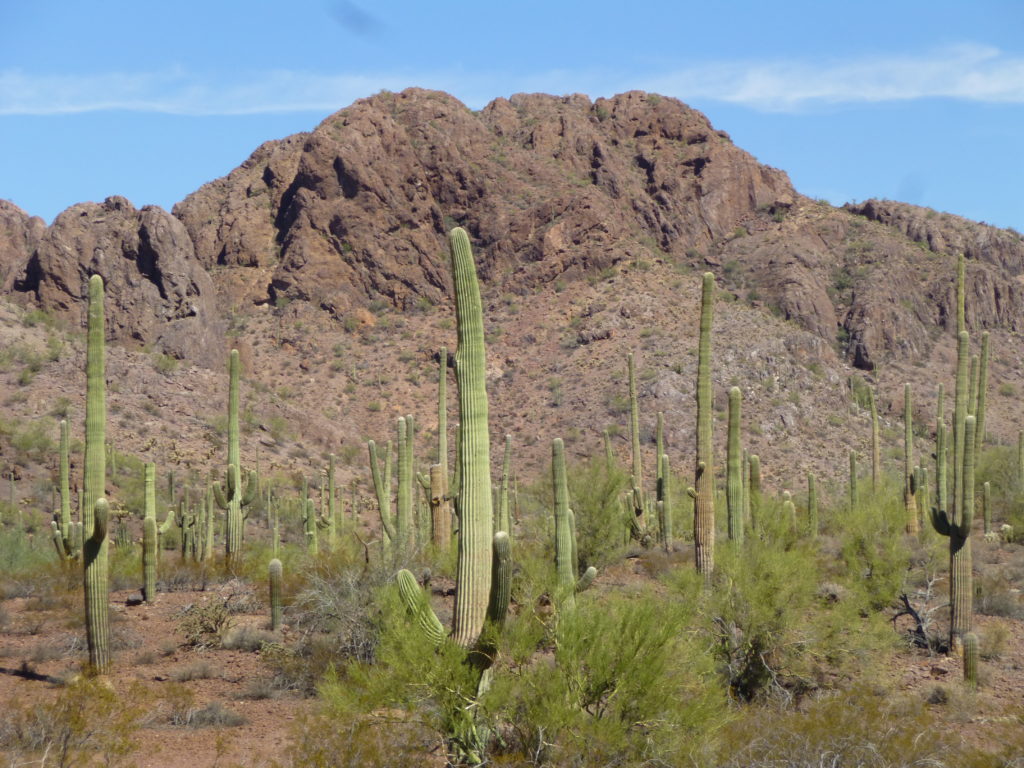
[966,72]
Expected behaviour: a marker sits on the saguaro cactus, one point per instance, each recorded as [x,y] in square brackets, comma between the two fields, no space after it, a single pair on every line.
[310,527]
[665,504]
[67,536]
[812,505]
[234,497]
[957,526]
[909,497]
[789,508]
[734,484]
[65,485]
[986,508]
[403,517]
[440,515]
[876,447]
[941,465]
[274,570]
[473,571]
[382,488]
[853,479]
[95,508]
[639,524]
[754,489]
[566,561]
[442,412]
[504,515]
[971,660]
[704,473]
[149,536]
[980,399]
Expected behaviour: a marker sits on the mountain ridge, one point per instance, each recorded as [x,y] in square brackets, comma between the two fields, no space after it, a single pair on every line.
[587,217]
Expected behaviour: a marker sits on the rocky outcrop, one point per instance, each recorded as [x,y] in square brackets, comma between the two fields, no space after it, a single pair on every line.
[550,187]
[157,293]
[552,190]
[946,233]
[19,234]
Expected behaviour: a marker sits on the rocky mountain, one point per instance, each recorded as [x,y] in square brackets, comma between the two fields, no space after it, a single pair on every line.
[323,259]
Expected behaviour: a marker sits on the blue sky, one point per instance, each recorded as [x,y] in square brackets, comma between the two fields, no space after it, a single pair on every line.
[917,101]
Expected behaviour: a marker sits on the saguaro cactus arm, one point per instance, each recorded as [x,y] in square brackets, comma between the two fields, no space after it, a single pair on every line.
[418,605]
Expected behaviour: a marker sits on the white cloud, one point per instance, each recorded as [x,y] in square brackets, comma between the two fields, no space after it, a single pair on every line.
[967,72]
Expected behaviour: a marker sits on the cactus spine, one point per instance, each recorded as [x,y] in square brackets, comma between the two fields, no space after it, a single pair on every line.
[274,571]
[96,510]
[909,497]
[734,484]
[234,497]
[704,473]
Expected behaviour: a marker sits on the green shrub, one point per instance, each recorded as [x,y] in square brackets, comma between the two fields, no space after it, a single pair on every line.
[594,493]
[628,683]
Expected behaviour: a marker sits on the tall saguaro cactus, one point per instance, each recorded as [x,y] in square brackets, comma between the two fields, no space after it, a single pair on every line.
[704,473]
[639,524]
[853,479]
[403,516]
[753,493]
[274,572]
[566,576]
[909,496]
[876,446]
[957,526]
[473,572]
[95,508]
[149,536]
[504,514]
[234,496]
[941,465]
[812,505]
[734,459]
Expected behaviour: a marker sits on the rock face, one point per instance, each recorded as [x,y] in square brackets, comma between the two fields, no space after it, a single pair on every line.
[549,187]
[552,190]
[19,234]
[156,290]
